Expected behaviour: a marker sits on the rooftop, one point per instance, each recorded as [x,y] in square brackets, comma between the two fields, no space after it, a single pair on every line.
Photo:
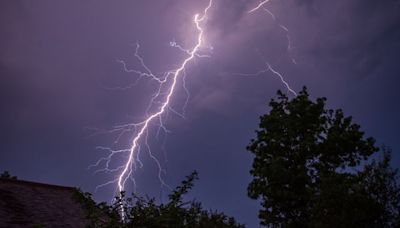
[31,204]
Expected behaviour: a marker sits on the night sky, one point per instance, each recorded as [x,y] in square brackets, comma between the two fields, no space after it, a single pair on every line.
[59,71]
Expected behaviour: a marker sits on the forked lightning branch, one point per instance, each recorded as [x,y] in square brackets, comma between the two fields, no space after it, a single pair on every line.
[160,102]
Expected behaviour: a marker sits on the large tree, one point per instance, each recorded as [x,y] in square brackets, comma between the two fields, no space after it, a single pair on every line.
[308,169]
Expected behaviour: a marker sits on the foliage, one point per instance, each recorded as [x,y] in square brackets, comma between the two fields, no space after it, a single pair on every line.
[382,183]
[307,169]
[7,175]
[142,212]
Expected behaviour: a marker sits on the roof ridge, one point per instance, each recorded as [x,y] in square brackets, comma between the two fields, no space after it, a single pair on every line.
[38,184]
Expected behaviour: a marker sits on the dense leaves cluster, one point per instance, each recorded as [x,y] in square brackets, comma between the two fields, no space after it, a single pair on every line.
[308,169]
[142,212]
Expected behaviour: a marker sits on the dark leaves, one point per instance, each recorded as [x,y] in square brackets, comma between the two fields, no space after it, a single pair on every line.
[142,212]
[303,170]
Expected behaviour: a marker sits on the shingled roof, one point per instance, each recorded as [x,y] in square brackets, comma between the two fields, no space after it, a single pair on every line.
[30,204]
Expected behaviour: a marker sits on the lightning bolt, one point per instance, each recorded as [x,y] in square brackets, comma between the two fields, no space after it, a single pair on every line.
[284,28]
[160,101]
[127,170]
[261,4]
[275,72]
[160,104]
[281,78]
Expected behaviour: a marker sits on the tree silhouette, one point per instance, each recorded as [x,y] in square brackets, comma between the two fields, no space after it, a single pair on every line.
[7,175]
[142,212]
[307,169]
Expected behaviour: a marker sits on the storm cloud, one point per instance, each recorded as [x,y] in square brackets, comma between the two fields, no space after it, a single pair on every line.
[58,61]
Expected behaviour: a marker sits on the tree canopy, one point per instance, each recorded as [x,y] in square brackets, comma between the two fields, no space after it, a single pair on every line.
[142,212]
[311,169]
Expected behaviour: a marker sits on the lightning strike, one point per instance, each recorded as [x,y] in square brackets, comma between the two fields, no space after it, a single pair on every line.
[269,68]
[261,4]
[282,79]
[159,106]
[160,101]
[127,170]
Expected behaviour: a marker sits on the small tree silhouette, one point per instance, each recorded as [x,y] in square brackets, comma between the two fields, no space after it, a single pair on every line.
[7,175]
[142,212]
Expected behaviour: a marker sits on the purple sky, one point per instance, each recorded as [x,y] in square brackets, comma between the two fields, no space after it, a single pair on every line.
[58,58]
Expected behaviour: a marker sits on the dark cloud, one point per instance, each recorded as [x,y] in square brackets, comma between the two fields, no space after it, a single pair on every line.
[58,61]
[356,34]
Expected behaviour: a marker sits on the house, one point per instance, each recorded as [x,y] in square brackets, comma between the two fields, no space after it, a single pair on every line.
[31,204]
